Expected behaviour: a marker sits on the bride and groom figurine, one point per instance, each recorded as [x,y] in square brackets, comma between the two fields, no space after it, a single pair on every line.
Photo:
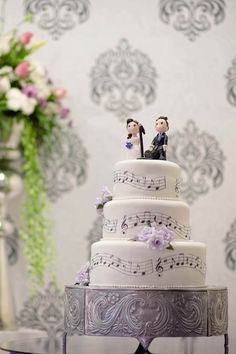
[134,142]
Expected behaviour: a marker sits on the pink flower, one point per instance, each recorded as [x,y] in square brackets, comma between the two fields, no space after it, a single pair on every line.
[25,38]
[60,92]
[22,69]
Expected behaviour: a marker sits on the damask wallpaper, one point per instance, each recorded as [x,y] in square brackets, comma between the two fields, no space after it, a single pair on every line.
[142,59]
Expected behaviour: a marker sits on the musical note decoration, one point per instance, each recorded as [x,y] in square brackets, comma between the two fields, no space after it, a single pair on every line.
[160,266]
[121,265]
[146,218]
[110,225]
[179,260]
[144,183]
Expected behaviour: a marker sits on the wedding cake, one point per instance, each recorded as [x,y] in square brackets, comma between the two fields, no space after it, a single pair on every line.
[146,241]
[146,276]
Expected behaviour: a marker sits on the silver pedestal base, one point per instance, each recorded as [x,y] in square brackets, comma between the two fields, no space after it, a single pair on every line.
[146,313]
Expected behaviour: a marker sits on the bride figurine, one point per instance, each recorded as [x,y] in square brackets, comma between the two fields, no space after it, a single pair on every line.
[133,139]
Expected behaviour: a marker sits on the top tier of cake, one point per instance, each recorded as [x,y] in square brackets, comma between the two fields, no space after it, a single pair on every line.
[145,179]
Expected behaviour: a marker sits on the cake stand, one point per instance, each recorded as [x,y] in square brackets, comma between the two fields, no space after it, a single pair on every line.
[146,314]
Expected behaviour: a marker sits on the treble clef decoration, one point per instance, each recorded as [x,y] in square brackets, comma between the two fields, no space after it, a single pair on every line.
[124,225]
[159,267]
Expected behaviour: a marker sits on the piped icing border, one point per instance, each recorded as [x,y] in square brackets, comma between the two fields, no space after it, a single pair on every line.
[160,265]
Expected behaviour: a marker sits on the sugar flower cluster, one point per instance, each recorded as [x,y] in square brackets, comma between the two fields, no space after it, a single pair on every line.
[155,236]
[105,197]
[82,276]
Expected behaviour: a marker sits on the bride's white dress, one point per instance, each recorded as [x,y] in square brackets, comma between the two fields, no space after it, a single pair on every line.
[134,151]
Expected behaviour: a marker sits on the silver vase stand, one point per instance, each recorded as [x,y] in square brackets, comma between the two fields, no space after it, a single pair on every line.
[146,314]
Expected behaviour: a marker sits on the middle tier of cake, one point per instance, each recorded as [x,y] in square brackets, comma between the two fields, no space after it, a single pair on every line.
[126,218]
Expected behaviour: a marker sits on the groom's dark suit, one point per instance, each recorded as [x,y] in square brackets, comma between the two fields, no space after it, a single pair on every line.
[158,152]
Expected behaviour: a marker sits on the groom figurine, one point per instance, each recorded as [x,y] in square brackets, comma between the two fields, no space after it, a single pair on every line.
[157,150]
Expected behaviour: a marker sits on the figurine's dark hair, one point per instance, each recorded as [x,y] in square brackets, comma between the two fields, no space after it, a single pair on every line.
[165,118]
[129,120]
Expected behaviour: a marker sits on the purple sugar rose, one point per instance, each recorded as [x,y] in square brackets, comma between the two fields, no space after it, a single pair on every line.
[106,194]
[82,276]
[157,242]
[105,197]
[156,237]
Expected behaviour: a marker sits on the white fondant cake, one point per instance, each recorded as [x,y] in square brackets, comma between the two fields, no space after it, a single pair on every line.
[142,179]
[125,218]
[146,192]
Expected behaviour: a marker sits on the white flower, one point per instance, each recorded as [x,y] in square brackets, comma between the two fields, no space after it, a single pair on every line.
[14,98]
[38,75]
[5,70]
[51,108]
[5,44]
[28,105]
[4,84]
[37,69]
[42,88]
[17,101]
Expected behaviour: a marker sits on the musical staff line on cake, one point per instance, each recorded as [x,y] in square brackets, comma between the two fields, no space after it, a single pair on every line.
[110,225]
[160,266]
[141,182]
[177,186]
[178,261]
[123,266]
[146,218]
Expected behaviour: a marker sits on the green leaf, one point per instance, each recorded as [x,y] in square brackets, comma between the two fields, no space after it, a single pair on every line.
[170,247]
[6,124]
[39,247]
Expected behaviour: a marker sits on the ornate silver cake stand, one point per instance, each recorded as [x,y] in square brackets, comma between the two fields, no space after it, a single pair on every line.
[146,314]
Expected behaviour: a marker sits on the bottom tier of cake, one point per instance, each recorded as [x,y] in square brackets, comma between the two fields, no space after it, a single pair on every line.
[132,263]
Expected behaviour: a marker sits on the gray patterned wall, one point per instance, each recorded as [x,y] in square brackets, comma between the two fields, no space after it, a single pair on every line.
[139,58]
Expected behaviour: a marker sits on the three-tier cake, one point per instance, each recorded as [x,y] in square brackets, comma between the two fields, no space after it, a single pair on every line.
[146,194]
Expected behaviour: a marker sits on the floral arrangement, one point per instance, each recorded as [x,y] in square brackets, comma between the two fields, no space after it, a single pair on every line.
[155,236]
[105,197]
[29,101]
[82,276]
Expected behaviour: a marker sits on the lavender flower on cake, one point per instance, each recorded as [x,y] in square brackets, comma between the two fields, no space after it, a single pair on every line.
[156,237]
[105,197]
[82,276]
